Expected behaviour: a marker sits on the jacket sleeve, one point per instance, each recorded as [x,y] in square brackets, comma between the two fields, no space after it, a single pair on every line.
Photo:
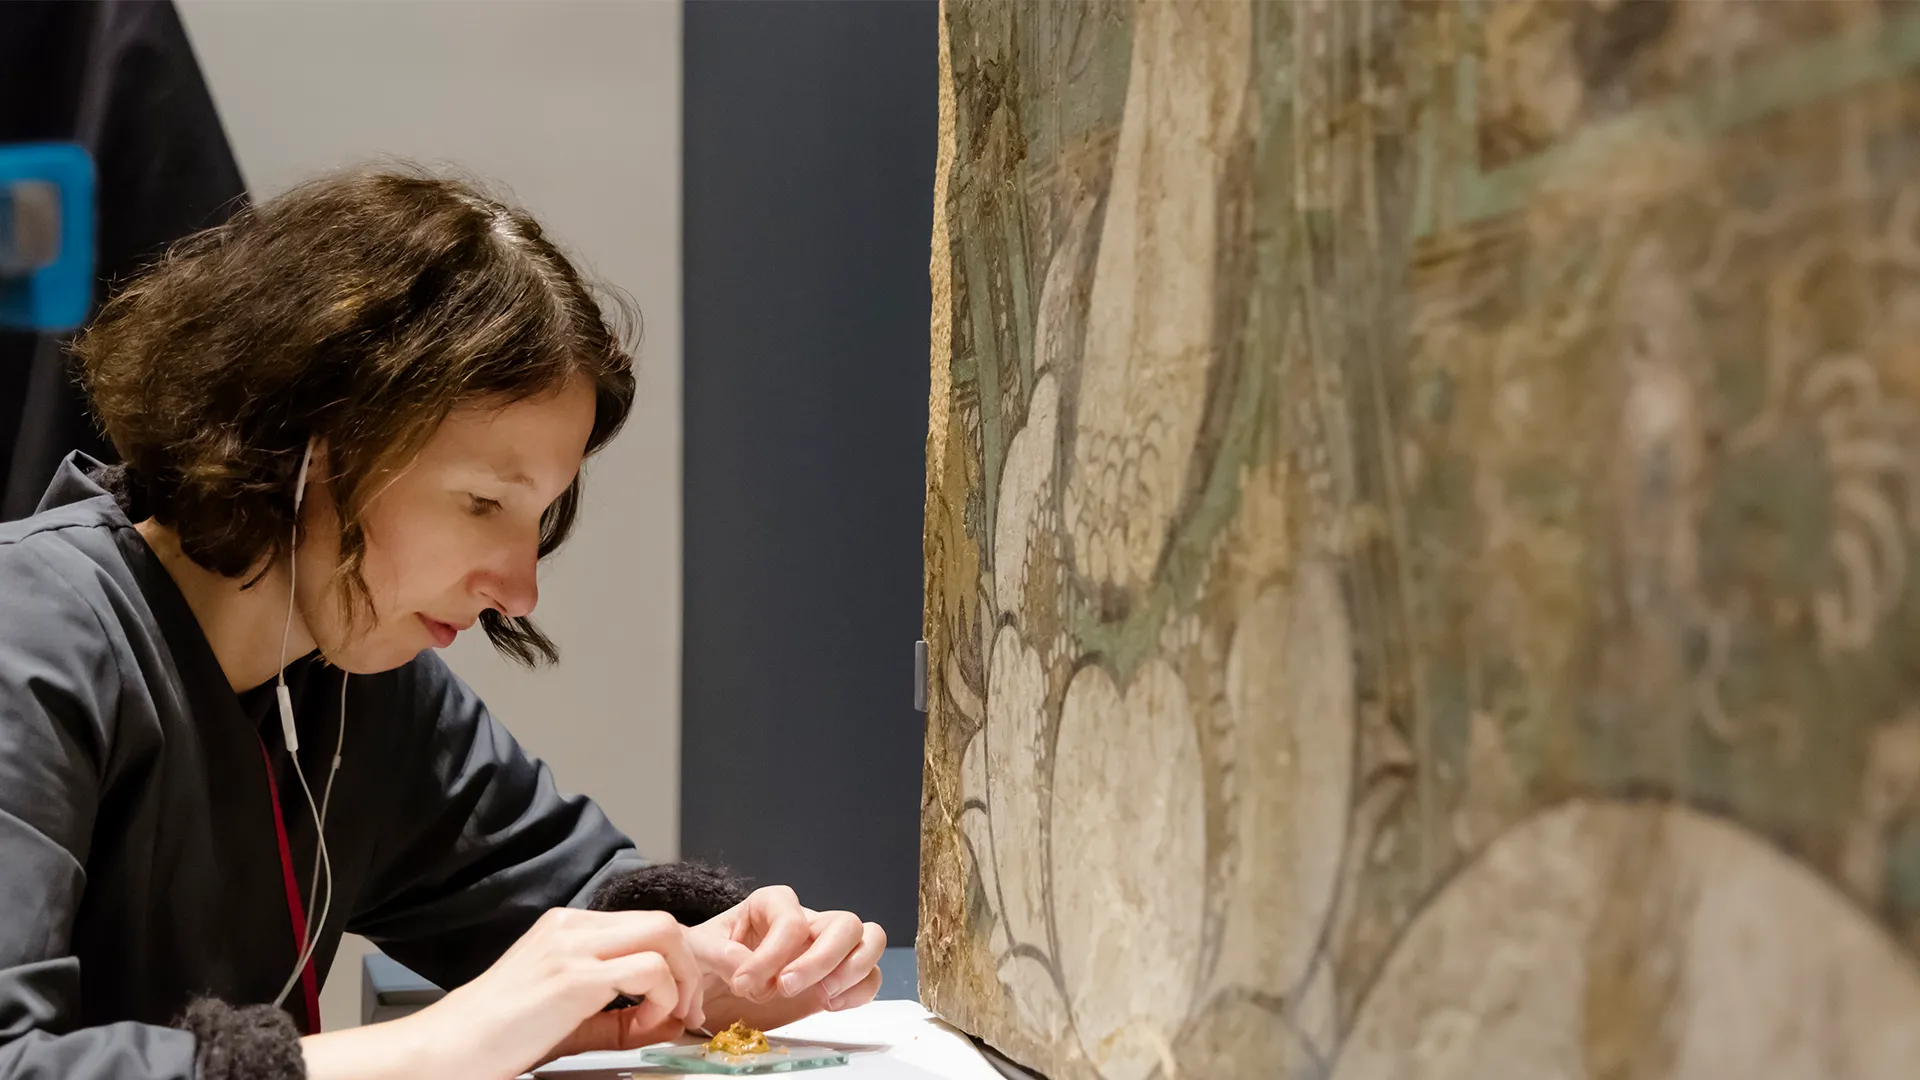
[58,695]
[481,842]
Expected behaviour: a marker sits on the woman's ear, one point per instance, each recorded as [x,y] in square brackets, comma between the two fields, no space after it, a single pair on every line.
[317,471]
[315,508]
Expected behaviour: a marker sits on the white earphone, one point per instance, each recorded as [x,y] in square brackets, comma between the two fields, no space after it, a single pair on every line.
[323,865]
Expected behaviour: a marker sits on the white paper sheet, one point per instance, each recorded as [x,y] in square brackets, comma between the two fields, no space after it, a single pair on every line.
[912,1045]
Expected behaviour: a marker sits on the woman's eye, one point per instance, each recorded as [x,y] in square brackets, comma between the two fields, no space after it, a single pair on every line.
[480,507]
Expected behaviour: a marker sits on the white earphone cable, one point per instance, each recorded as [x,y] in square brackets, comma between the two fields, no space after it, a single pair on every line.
[326,869]
[326,800]
[284,699]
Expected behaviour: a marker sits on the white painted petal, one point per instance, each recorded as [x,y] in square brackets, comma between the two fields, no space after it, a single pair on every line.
[1290,692]
[973,768]
[1057,312]
[1036,1000]
[977,831]
[1607,939]
[978,836]
[1015,751]
[1315,1017]
[1025,481]
[1151,321]
[1129,864]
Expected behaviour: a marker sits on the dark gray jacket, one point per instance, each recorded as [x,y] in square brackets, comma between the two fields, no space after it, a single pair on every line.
[139,867]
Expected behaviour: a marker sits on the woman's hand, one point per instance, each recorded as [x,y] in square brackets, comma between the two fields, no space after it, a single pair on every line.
[769,961]
[543,998]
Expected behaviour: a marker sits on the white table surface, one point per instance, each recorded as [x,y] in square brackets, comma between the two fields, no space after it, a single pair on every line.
[909,1044]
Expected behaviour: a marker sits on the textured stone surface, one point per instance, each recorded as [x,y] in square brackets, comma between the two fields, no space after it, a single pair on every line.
[1420,509]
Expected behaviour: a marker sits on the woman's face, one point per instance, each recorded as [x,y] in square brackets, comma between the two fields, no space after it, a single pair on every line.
[455,533]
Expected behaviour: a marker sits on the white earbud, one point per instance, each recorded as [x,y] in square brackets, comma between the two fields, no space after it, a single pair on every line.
[300,482]
[280,692]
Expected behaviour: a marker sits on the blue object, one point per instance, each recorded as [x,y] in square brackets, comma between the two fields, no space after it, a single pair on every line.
[47,236]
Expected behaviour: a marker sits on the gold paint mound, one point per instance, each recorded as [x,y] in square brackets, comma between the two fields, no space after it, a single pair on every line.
[739,1040]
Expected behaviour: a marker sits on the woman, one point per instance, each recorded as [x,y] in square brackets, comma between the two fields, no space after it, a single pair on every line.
[352,422]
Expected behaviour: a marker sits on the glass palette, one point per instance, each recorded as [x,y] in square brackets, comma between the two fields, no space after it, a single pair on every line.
[784,1056]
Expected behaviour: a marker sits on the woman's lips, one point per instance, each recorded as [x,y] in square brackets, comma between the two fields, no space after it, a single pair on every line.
[443,633]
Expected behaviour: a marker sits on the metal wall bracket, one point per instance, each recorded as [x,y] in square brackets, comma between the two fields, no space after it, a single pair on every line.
[920,676]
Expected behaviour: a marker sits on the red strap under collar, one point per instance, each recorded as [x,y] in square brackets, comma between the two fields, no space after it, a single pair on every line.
[295,909]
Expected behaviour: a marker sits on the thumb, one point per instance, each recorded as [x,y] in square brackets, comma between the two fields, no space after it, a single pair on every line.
[618,1030]
[718,955]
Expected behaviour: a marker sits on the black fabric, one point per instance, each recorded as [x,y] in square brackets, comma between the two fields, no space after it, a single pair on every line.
[251,1042]
[136,836]
[126,489]
[118,77]
[690,892]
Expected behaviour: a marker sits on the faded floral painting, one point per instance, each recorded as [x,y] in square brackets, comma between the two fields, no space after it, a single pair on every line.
[1420,520]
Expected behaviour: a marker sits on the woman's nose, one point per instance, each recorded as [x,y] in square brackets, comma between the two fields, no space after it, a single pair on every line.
[513,586]
[515,596]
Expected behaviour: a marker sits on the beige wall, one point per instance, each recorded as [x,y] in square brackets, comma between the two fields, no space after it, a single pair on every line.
[573,107]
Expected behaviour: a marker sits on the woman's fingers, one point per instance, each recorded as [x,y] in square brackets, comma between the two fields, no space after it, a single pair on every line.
[548,992]
[613,934]
[836,936]
[716,953]
[784,932]
[859,963]
[646,976]
[858,994]
[622,1030]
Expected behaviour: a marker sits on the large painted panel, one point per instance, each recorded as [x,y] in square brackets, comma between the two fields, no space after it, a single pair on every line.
[1421,505]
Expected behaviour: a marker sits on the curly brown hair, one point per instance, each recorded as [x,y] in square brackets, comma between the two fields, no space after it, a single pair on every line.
[360,309]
